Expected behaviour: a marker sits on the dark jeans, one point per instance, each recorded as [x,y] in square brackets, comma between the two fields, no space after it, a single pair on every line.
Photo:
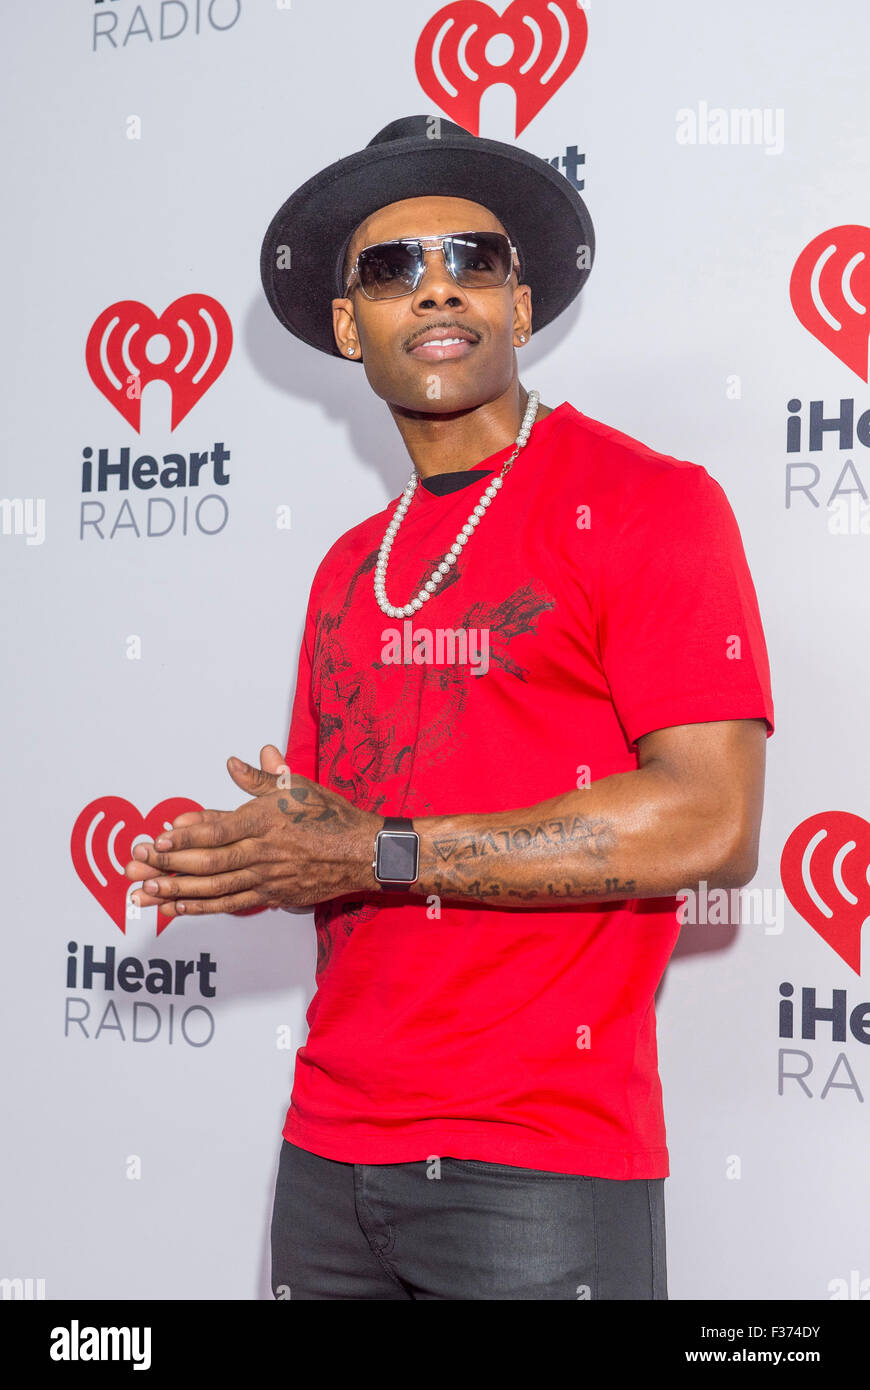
[477,1231]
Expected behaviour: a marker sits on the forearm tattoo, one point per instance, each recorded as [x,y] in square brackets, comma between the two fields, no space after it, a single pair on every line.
[473,865]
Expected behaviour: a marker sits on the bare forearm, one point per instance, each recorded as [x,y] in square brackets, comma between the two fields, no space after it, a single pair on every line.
[632,835]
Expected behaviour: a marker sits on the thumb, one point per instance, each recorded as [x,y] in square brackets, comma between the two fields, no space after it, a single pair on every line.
[253,780]
[270,759]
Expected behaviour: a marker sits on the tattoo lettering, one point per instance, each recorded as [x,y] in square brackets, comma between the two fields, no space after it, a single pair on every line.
[566,890]
[596,837]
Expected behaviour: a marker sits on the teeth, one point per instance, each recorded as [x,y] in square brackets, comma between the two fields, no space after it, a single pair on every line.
[442,342]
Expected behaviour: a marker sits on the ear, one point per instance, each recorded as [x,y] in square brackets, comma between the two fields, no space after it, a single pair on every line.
[344,329]
[522,324]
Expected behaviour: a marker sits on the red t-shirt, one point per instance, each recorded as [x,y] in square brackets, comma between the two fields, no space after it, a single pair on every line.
[613,587]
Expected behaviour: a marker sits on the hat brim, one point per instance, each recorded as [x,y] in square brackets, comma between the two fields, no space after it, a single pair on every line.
[547,220]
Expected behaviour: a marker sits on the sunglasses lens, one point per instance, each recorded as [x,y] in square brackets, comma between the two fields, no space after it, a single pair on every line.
[476,260]
[388,270]
[480,259]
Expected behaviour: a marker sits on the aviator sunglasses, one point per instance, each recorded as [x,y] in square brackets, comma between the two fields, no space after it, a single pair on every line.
[476,260]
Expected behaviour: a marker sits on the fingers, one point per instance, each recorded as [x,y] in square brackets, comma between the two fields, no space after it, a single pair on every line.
[195,907]
[197,817]
[192,861]
[142,898]
[161,891]
[138,871]
[145,857]
[211,829]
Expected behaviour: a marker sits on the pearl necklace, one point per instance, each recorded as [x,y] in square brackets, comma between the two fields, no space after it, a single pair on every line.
[464,535]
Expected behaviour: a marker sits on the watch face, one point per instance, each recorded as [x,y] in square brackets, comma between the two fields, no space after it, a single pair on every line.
[397,855]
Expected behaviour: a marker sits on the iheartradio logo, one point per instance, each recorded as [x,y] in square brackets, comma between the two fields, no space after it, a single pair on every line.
[824,868]
[102,843]
[466,48]
[188,347]
[830,293]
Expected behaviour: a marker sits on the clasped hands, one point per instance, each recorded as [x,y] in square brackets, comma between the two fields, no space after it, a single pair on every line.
[294,844]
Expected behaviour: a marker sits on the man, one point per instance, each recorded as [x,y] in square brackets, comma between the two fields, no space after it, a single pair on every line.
[532,705]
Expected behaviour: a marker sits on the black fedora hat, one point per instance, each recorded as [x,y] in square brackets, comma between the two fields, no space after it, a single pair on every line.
[305,243]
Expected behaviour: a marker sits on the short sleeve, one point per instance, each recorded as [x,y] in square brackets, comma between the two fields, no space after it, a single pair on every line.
[680,633]
[302,744]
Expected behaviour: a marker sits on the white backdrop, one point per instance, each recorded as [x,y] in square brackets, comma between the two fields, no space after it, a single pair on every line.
[147,168]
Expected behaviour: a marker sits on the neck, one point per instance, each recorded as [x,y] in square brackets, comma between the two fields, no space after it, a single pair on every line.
[452,442]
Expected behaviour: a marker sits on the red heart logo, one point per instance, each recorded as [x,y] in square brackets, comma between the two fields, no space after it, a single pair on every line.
[102,844]
[547,39]
[200,338]
[824,869]
[830,293]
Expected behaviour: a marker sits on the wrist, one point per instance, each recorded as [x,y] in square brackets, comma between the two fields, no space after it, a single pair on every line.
[438,848]
[361,875]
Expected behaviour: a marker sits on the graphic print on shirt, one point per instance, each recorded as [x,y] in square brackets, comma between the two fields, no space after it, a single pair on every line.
[373,758]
